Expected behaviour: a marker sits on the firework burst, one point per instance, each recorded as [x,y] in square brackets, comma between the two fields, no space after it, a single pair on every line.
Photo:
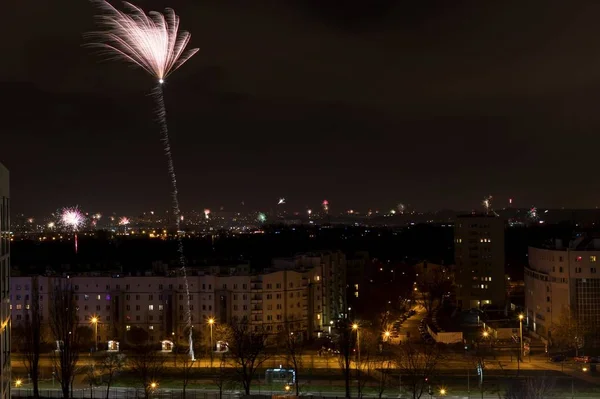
[154,43]
[72,219]
[150,41]
[124,221]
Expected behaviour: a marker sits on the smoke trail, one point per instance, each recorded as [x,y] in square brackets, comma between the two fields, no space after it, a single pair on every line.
[162,120]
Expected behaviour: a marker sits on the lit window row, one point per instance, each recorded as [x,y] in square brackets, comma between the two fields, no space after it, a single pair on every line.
[485,240]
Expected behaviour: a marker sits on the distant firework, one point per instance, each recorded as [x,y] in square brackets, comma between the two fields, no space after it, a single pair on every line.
[309,211]
[281,201]
[533,213]
[401,208]
[124,221]
[206,213]
[325,205]
[72,218]
[261,217]
[487,203]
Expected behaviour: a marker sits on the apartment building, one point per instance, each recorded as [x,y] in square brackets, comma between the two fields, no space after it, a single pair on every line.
[4,283]
[563,278]
[479,258]
[295,296]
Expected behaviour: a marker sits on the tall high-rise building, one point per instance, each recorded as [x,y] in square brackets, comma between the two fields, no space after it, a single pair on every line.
[479,258]
[4,284]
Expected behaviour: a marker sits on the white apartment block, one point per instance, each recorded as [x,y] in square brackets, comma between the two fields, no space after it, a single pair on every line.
[4,283]
[296,295]
[563,279]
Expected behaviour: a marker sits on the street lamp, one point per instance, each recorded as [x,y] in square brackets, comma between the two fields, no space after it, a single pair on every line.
[153,385]
[18,382]
[211,321]
[94,321]
[386,335]
[443,392]
[355,327]
[521,317]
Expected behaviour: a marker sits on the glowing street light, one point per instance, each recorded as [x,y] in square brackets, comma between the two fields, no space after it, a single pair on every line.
[386,335]
[355,328]
[443,392]
[521,317]
[94,321]
[18,382]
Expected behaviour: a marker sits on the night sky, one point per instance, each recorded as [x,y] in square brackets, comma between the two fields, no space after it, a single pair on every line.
[429,103]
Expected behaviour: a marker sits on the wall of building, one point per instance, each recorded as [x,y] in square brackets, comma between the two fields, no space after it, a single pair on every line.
[4,283]
[559,280]
[276,300]
[479,258]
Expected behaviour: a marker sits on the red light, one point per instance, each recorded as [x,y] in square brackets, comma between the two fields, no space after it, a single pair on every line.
[579,259]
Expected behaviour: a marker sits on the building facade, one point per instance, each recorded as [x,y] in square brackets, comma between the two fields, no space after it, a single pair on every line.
[563,279]
[4,283]
[479,258]
[293,296]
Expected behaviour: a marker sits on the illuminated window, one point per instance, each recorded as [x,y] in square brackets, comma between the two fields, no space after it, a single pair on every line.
[128,328]
[19,307]
[98,297]
[150,307]
[356,287]
[593,258]
[318,278]
[151,327]
[319,316]
[160,307]
[356,294]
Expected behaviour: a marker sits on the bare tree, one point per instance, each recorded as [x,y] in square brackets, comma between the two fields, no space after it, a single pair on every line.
[384,368]
[222,377]
[570,332]
[63,323]
[31,337]
[432,286]
[91,378]
[247,347]
[111,365]
[293,345]
[346,344]
[186,372]
[418,365]
[146,364]
[531,388]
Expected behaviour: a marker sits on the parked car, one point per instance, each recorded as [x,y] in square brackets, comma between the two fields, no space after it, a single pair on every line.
[582,359]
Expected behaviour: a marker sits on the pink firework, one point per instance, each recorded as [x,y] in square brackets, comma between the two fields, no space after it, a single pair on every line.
[72,218]
[151,41]
[124,221]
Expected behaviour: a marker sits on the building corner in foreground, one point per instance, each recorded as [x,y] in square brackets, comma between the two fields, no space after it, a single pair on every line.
[5,381]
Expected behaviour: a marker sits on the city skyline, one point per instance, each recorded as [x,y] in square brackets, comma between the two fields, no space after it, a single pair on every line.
[398,103]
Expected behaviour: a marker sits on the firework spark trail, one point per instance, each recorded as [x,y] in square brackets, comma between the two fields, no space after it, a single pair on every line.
[162,120]
[154,43]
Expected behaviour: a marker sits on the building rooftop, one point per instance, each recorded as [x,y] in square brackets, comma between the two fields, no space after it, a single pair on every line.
[579,243]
